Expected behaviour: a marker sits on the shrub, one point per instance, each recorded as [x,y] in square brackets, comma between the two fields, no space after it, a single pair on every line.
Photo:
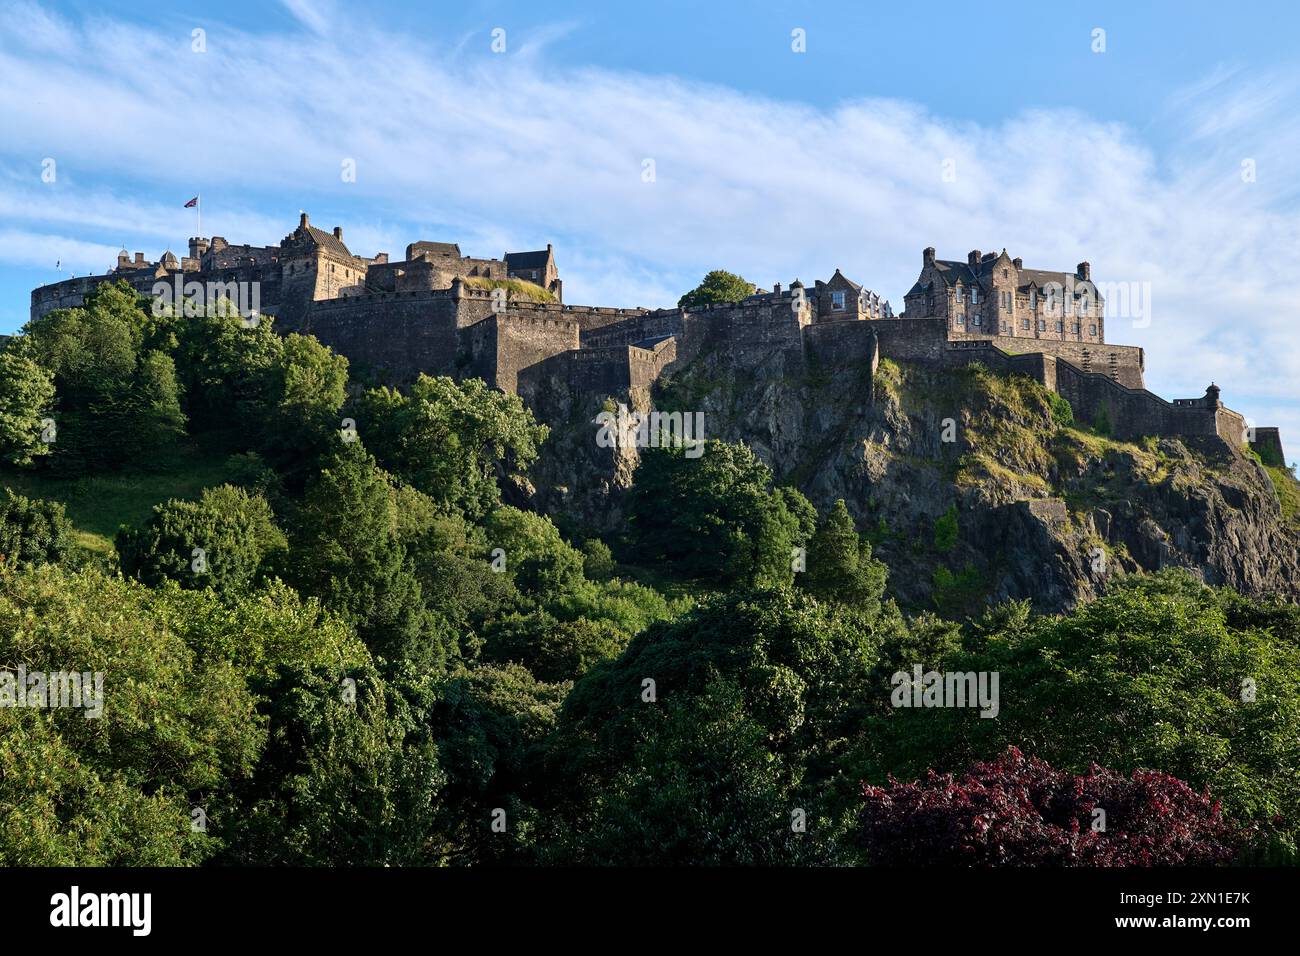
[1062,411]
[233,532]
[32,531]
[945,530]
[1018,811]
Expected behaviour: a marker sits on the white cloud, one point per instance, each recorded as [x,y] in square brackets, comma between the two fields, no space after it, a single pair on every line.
[512,151]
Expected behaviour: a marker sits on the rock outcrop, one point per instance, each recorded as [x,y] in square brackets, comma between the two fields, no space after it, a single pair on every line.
[1043,510]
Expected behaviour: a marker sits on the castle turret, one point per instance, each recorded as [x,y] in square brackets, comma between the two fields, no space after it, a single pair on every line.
[1211,394]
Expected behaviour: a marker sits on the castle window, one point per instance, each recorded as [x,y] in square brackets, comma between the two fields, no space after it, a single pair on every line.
[1042,325]
[1006,301]
[960,295]
[1060,326]
[974,296]
[1092,330]
[1033,301]
[1076,328]
[978,321]
[837,301]
[1024,324]
[1006,326]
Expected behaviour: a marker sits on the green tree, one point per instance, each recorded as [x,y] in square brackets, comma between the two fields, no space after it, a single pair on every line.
[26,397]
[715,517]
[307,387]
[1160,673]
[537,558]
[755,698]
[717,286]
[551,649]
[840,566]
[32,531]
[172,729]
[347,777]
[222,541]
[454,441]
[347,548]
[117,396]
[491,723]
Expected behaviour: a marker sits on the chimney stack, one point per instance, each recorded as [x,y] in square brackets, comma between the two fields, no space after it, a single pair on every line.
[927,257]
[338,233]
[303,221]
[973,257]
[139,258]
[1018,263]
[1083,271]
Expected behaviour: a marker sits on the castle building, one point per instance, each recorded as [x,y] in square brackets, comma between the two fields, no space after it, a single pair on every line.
[504,320]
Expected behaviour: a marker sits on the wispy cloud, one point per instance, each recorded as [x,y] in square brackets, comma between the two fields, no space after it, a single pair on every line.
[512,150]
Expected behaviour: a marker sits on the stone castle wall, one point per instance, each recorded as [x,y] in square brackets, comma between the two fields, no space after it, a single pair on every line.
[384,337]
[392,327]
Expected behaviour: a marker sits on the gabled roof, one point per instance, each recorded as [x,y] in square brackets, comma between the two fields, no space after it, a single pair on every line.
[856,287]
[326,240]
[528,260]
[953,272]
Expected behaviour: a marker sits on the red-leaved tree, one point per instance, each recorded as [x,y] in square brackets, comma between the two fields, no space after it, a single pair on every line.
[1018,811]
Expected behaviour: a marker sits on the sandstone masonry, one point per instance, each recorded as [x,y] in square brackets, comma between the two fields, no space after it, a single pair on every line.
[504,320]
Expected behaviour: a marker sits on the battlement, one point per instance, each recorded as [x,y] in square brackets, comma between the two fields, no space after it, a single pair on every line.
[442,312]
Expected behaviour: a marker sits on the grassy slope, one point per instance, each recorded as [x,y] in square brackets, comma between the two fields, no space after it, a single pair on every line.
[98,505]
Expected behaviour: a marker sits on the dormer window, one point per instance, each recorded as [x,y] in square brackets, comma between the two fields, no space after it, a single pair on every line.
[1033,300]
[837,301]
[960,295]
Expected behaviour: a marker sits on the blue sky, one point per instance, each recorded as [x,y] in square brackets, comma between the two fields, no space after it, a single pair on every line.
[772,163]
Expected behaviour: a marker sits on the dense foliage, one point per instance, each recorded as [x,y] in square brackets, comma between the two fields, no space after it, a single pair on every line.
[1018,811]
[360,644]
[718,286]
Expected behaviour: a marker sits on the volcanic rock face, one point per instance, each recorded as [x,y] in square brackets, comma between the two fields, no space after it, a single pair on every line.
[1042,511]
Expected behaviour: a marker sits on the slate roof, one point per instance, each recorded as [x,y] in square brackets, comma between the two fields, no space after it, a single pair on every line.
[952,272]
[527,260]
[437,248]
[326,241]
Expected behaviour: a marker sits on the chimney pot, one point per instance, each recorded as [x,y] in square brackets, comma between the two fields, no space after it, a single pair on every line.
[338,233]
[303,221]
[1018,263]
[973,257]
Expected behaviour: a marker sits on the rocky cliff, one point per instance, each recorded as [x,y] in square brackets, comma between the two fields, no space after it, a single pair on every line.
[972,486]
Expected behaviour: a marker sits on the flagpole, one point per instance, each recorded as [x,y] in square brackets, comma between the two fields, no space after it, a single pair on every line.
[198,207]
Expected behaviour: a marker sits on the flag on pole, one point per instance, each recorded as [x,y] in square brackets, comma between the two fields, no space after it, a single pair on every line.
[192,203]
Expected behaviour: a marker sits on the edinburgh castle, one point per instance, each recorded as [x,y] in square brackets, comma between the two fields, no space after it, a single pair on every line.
[504,320]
